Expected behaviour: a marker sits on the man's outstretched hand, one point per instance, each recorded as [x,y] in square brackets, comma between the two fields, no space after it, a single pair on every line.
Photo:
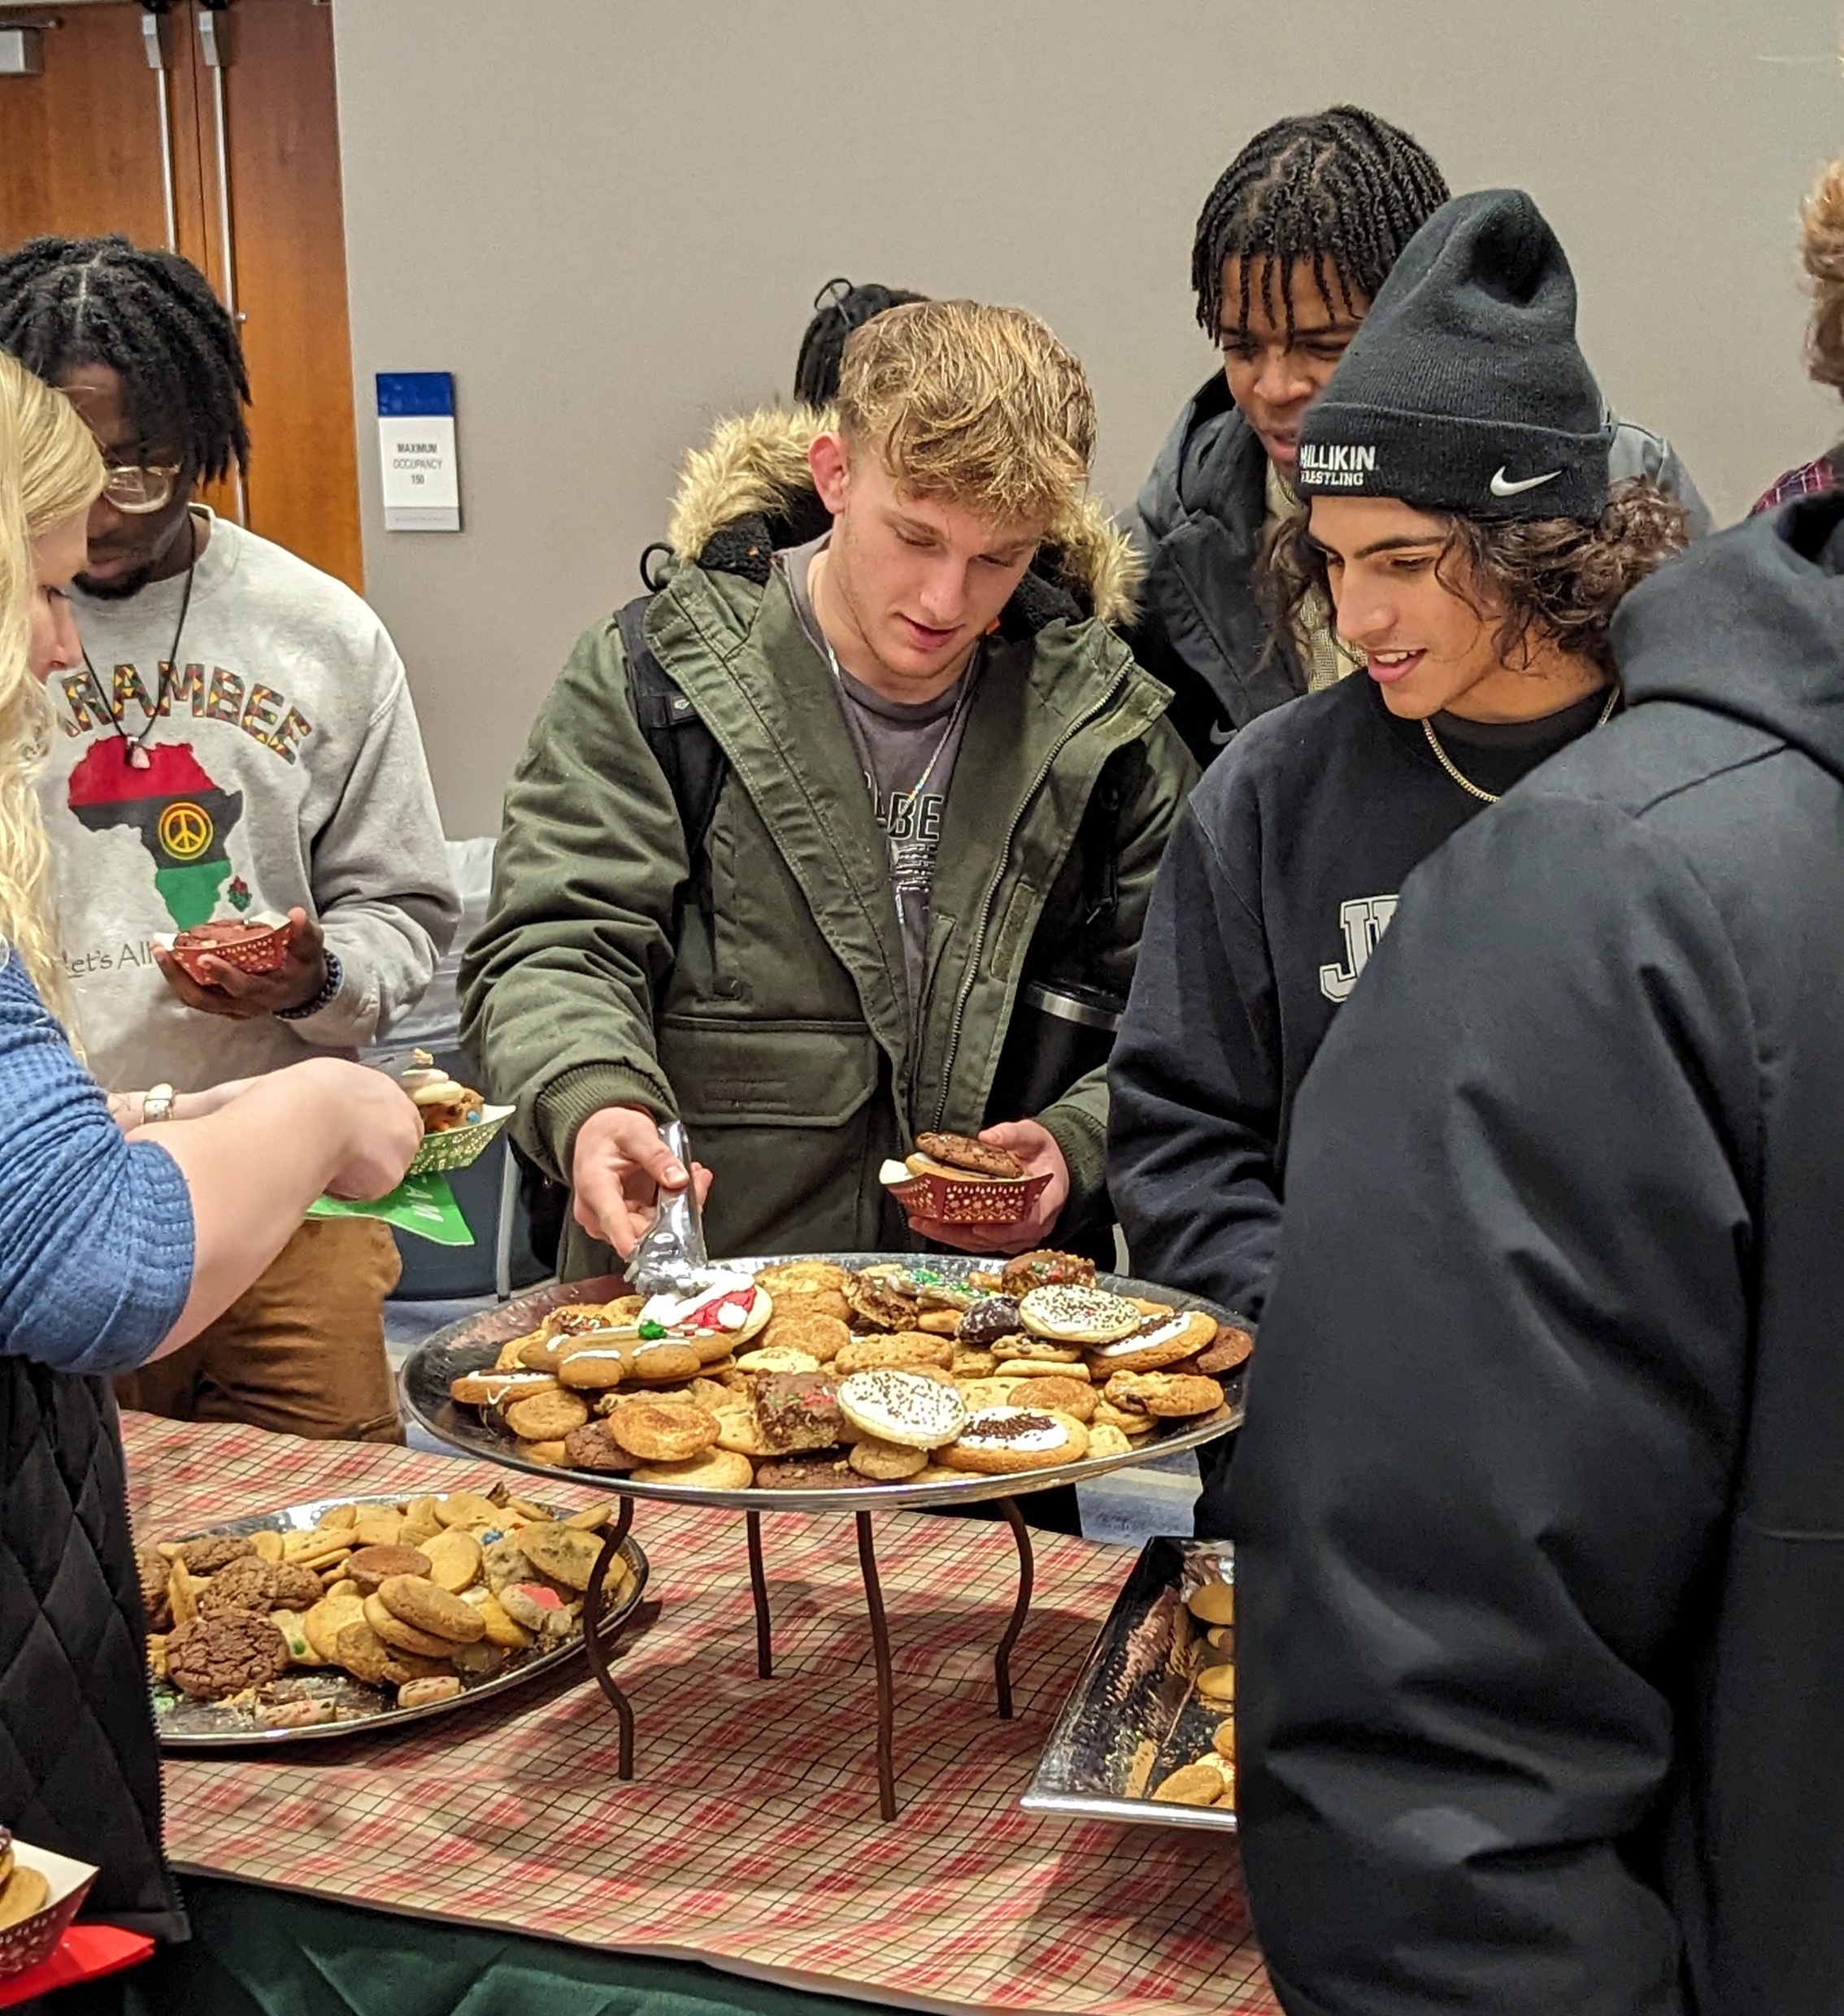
[618,1168]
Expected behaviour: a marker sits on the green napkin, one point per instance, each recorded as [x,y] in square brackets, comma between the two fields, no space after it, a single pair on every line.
[423,1205]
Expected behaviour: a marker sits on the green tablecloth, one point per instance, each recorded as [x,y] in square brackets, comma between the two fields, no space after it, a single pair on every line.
[256,1952]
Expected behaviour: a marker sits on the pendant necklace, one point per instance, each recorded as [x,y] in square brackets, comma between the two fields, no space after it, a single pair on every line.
[895,849]
[137,745]
[1466,783]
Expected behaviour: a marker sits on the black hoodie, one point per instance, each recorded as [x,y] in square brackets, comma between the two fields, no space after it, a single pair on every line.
[1540,1509]
[1278,882]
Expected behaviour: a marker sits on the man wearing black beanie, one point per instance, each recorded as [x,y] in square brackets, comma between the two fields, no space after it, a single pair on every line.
[1294,243]
[1537,1512]
[1463,531]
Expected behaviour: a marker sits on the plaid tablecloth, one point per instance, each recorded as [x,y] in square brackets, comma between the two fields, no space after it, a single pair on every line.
[750,1837]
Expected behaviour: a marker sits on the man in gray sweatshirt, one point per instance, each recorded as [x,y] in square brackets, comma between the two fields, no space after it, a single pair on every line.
[239,739]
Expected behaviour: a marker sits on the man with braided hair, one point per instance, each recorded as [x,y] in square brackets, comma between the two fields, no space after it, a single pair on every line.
[239,739]
[1292,245]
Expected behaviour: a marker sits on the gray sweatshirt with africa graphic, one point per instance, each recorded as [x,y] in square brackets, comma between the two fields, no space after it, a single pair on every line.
[283,767]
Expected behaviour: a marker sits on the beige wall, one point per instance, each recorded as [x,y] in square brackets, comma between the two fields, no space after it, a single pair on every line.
[607,218]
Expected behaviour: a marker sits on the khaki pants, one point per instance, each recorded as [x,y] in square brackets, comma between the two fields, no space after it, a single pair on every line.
[302,1351]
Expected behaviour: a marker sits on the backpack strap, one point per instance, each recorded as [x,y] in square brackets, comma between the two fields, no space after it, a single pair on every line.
[684,749]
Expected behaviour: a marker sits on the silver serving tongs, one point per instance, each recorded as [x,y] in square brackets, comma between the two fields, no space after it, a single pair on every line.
[670,1258]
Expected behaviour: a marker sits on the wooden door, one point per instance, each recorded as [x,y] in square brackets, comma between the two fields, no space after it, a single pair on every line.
[80,154]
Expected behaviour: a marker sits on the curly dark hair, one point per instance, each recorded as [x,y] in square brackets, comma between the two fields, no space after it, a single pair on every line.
[1561,577]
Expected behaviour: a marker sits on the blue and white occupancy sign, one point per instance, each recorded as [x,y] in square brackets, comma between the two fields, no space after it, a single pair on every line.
[422,480]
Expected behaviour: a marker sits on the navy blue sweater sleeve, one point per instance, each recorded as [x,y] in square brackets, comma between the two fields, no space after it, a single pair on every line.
[96,1234]
[1195,1082]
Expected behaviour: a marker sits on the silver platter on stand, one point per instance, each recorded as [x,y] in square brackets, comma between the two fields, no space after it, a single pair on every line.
[473,1345]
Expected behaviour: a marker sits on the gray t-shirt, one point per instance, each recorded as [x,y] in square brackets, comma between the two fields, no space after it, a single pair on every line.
[908,752]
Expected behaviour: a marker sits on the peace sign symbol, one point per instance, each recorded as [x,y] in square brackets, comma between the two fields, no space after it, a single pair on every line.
[185,830]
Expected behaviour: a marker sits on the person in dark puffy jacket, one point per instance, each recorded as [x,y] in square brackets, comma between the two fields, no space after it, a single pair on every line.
[1539,1511]
[1292,246]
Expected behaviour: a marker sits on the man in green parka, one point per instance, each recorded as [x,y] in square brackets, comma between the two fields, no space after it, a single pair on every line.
[942,777]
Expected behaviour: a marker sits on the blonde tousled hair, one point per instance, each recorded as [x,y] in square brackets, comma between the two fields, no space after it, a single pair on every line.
[1821,218]
[50,470]
[979,406]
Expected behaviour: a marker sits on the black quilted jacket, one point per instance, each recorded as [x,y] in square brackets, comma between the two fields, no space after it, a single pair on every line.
[79,1769]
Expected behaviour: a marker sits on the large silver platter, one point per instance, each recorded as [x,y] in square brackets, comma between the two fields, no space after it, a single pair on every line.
[473,1345]
[190,1725]
[1132,1714]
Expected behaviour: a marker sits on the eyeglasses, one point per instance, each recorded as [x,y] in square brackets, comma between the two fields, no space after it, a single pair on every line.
[139,491]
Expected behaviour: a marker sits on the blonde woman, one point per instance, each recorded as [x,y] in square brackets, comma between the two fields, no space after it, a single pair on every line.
[114,1249]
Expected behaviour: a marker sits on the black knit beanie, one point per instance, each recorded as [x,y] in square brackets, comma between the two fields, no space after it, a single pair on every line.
[1463,389]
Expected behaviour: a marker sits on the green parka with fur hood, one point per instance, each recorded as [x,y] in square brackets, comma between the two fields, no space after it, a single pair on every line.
[759,991]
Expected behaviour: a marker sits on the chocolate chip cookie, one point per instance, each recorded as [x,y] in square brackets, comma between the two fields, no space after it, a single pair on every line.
[962,1151]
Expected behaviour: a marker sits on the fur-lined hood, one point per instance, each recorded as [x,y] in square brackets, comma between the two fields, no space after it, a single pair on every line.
[749,491]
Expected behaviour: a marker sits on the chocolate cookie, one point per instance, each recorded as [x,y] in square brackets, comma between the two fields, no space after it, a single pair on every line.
[803,1473]
[593,1446]
[297,1588]
[215,1551]
[962,1151]
[245,1585]
[991,1318]
[215,1656]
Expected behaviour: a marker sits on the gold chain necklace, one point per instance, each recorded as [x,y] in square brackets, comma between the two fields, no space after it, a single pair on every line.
[1466,783]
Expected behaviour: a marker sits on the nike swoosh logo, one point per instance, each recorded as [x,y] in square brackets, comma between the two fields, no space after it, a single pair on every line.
[1219,735]
[1501,485]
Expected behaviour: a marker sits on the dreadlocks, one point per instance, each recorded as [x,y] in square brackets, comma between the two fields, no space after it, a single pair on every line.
[1342,191]
[149,315]
[839,308]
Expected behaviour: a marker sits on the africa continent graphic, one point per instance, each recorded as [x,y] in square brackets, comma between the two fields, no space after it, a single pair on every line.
[183,818]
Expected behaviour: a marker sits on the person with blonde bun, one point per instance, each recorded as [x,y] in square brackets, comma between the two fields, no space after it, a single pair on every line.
[1821,250]
[117,1244]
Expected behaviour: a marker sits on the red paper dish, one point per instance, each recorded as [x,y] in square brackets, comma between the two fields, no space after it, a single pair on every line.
[257,946]
[33,1939]
[953,1202]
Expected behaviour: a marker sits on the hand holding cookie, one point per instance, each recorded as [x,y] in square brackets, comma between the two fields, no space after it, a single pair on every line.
[618,1168]
[1035,1146]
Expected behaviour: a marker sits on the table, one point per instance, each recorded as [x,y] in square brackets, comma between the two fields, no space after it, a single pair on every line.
[749,1840]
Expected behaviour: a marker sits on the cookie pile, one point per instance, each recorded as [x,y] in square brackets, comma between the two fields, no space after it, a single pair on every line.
[1209,1780]
[414,1601]
[23,1891]
[811,1377]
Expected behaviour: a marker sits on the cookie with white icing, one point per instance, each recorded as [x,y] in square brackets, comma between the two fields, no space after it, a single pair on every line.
[904,1407]
[998,1441]
[1066,1314]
